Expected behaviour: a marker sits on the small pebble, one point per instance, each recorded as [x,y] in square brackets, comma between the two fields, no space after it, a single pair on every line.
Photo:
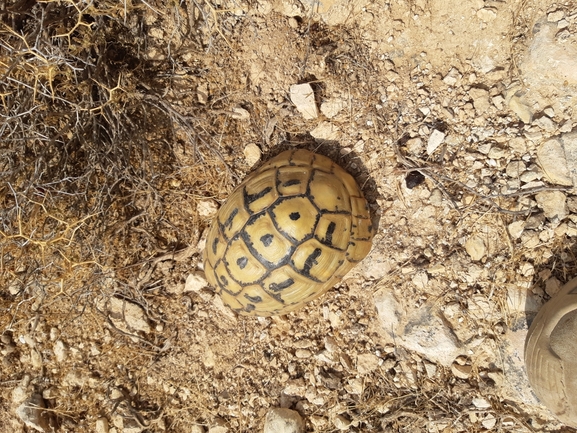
[281,420]
[303,96]
[252,154]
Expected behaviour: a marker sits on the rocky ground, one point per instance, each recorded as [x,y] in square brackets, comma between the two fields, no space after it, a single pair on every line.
[126,124]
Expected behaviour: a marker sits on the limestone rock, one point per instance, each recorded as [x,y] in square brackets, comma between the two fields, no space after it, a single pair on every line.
[252,154]
[303,96]
[475,247]
[553,204]
[281,420]
[195,282]
[551,157]
[31,413]
[427,334]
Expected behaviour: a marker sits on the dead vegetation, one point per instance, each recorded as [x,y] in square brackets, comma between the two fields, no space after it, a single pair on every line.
[109,141]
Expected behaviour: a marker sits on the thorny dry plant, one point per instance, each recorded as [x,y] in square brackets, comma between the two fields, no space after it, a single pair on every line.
[97,146]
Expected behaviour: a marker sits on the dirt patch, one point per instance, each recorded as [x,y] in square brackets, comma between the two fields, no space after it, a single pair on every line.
[125,124]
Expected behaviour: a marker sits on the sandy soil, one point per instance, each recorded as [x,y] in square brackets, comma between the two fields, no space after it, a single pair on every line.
[126,125]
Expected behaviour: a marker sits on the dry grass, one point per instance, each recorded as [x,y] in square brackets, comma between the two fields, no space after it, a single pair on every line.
[107,148]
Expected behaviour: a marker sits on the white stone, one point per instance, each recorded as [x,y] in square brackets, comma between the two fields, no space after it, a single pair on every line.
[481,403]
[551,158]
[435,141]
[388,310]
[240,114]
[553,204]
[452,77]
[553,17]
[367,363]
[550,62]
[101,425]
[341,422]
[475,247]
[281,420]
[126,314]
[520,109]
[326,131]
[197,429]
[303,96]
[486,14]
[59,349]
[545,124]
[516,229]
[206,208]
[252,154]
[480,99]
[331,107]
[489,422]
[195,282]
[31,414]
[569,141]
[515,168]
[427,334]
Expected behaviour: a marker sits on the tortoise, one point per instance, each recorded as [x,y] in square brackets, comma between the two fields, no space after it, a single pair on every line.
[551,354]
[290,231]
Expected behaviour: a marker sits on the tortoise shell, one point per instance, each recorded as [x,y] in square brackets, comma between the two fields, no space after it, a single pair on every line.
[287,234]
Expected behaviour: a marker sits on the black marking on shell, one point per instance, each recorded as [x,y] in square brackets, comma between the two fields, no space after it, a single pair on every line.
[224,280]
[277,287]
[253,299]
[250,198]
[249,308]
[295,216]
[266,239]
[242,262]
[311,261]
[330,231]
[214,245]
[291,182]
[229,220]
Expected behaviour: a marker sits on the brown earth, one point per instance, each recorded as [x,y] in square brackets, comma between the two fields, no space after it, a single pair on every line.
[125,124]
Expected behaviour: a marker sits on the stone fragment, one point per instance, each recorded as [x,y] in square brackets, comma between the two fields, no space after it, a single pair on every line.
[481,403]
[388,310]
[32,414]
[303,96]
[515,168]
[427,334]
[553,204]
[281,420]
[252,154]
[59,350]
[520,109]
[452,77]
[331,107]
[550,62]
[475,247]
[551,158]
[367,362]
[553,17]
[206,208]
[489,422]
[195,282]
[125,314]
[435,141]
[197,429]
[202,93]
[516,229]
[569,141]
[461,371]
[486,14]
[326,131]
[480,99]
[341,422]
[101,426]
[545,124]
[239,113]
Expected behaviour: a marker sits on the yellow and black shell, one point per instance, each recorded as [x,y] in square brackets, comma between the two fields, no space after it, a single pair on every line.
[287,234]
